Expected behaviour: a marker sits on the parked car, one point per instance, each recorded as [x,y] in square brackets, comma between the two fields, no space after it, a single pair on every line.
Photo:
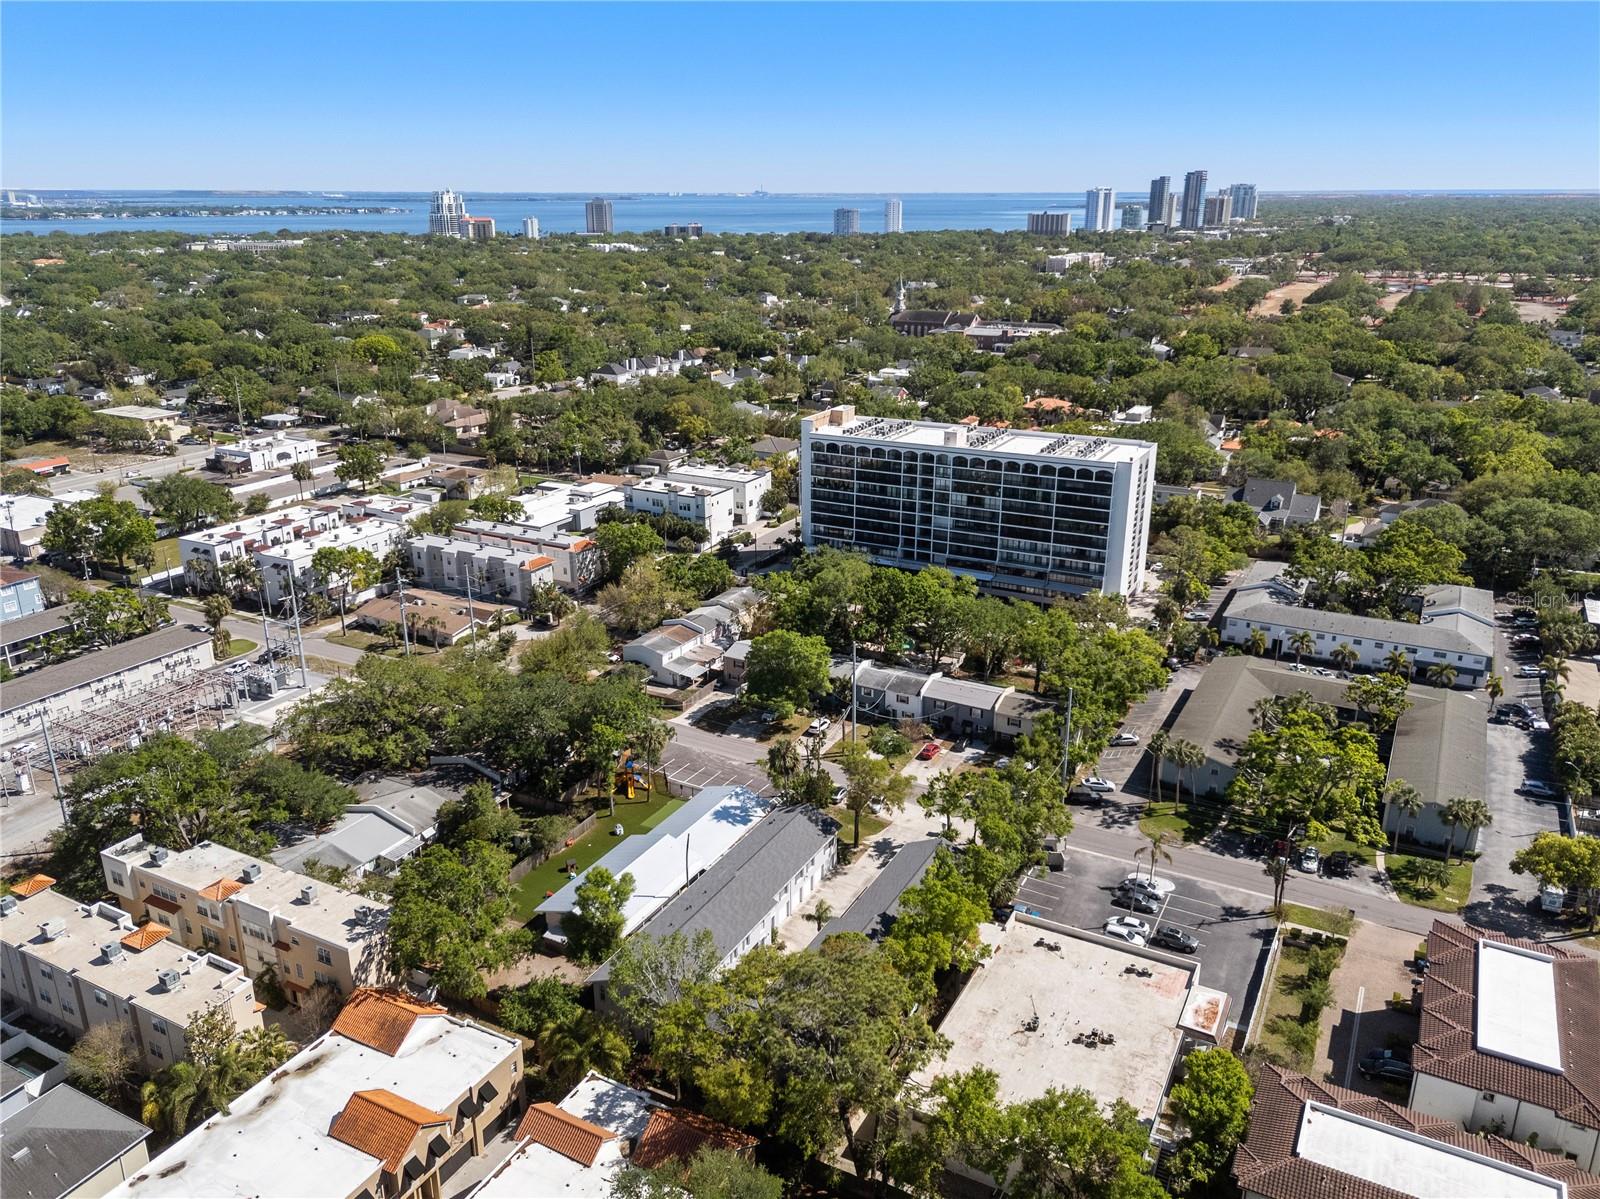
[1160,886]
[818,726]
[839,794]
[1538,724]
[1137,901]
[928,752]
[1517,711]
[1095,783]
[1386,1055]
[1529,672]
[1339,865]
[1537,788]
[1170,936]
[1257,845]
[1386,1070]
[1125,739]
[1001,763]
[1128,928]
[1197,614]
[1310,859]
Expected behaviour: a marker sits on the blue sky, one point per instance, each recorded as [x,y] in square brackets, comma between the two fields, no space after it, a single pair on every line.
[823,97]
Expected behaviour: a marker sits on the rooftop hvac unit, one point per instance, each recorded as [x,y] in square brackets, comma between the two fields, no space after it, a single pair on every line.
[8,904]
[169,980]
[159,855]
[308,893]
[111,950]
[252,872]
[53,928]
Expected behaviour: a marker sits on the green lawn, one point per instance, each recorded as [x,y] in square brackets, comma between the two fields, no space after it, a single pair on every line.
[240,645]
[1337,842]
[635,816]
[166,555]
[1338,923]
[1402,873]
[871,825]
[1186,824]
[1283,1007]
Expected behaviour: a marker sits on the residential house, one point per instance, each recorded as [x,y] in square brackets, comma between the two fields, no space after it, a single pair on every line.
[873,912]
[961,707]
[465,421]
[66,1145]
[393,817]
[1278,503]
[749,486]
[19,593]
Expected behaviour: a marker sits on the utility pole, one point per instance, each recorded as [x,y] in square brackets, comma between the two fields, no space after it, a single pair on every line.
[55,771]
[239,404]
[400,590]
[852,690]
[299,638]
[1066,745]
[472,619]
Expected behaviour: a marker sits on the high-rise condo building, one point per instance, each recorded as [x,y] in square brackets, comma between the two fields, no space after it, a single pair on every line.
[1244,201]
[1169,214]
[1099,209]
[477,228]
[597,215]
[1219,209]
[891,216]
[846,221]
[1133,216]
[530,227]
[1193,211]
[1052,224]
[1160,190]
[691,229]
[1028,514]
[446,213]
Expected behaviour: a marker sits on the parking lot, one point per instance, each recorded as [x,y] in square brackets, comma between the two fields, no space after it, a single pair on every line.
[1232,927]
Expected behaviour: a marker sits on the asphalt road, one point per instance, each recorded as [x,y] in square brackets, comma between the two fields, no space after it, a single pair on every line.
[186,458]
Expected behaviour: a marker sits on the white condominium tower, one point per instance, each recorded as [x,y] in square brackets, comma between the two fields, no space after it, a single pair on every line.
[446,213]
[597,215]
[1099,209]
[1028,514]
[530,227]
[1244,201]
[891,216]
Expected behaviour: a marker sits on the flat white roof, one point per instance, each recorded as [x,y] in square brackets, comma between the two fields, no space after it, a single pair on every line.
[274,1143]
[1411,1164]
[535,1169]
[1517,1017]
[982,439]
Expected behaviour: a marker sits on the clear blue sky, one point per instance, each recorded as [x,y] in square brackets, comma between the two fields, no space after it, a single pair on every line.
[824,97]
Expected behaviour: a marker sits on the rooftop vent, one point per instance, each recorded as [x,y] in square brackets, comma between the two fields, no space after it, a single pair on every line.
[111,950]
[308,893]
[8,904]
[169,980]
[251,872]
[53,928]
[159,855]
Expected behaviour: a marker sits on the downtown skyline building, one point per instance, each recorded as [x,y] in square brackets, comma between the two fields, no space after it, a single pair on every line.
[1099,209]
[1219,210]
[1051,224]
[1030,515]
[892,217]
[1192,211]
[1133,216]
[1160,194]
[597,215]
[1243,196]
[846,221]
[446,211]
[530,227]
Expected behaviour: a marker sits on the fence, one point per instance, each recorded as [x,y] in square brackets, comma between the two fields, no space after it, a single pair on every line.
[534,860]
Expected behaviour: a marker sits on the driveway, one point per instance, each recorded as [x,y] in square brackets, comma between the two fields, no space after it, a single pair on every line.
[1374,968]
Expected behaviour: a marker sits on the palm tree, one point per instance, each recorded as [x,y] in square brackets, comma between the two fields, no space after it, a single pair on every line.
[783,763]
[1344,656]
[1442,674]
[216,607]
[1431,875]
[1555,667]
[300,472]
[1496,687]
[1302,643]
[652,743]
[1403,798]
[1157,748]
[1396,662]
[1465,812]
[1278,870]
[1186,755]
[1157,849]
[821,914]
[1257,642]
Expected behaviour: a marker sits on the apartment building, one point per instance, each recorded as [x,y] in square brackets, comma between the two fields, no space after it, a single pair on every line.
[488,572]
[226,903]
[1051,224]
[395,1099]
[1099,209]
[846,221]
[577,559]
[749,487]
[157,423]
[567,507]
[1192,210]
[955,706]
[1028,514]
[597,215]
[81,965]
[264,453]
[710,505]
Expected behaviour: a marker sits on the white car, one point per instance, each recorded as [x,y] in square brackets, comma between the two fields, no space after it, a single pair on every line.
[1125,739]
[1095,783]
[1001,763]
[1529,672]
[839,794]
[818,726]
[1128,928]
[1158,886]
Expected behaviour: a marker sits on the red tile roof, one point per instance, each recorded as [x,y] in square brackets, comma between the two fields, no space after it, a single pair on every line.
[146,935]
[1266,1163]
[1447,1044]
[383,1124]
[222,889]
[32,885]
[381,1020]
[676,1135]
[563,1133]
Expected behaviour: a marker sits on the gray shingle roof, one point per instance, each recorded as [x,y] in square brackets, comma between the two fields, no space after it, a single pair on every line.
[875,908]
[54,680]
[1450,631]
[59,1140]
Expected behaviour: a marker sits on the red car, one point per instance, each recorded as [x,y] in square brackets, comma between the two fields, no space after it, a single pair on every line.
[928,752]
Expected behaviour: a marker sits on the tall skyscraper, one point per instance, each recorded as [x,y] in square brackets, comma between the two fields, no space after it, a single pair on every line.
[446,213]
[597,215]
[1133,216]
[1051,224]
[530,227]
[846,221]
[891,216]
[1219,209]
[1160,189]
[1169,214]
[1192,213]
[1099,209]
[1244,201]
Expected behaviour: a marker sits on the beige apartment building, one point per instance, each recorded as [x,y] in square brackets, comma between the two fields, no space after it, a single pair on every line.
[224,902]
[81,965]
